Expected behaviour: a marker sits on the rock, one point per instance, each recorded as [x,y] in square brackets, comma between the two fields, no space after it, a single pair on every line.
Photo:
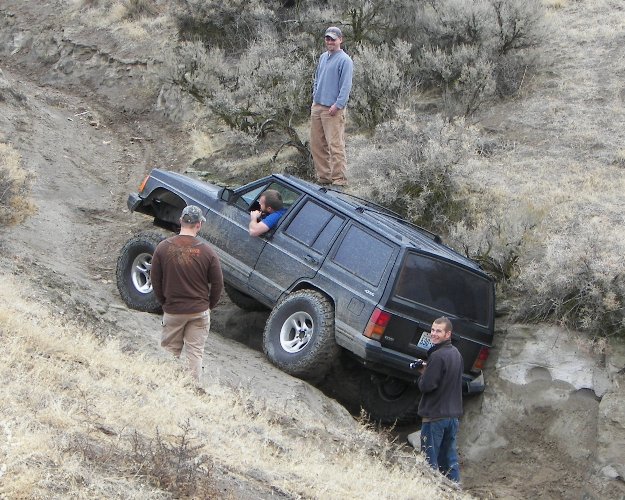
[414,440]
[610,472]
[611,432]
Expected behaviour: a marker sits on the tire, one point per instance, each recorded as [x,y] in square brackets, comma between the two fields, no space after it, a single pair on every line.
[389,400]
[243,300]
[299,335]
[133,272]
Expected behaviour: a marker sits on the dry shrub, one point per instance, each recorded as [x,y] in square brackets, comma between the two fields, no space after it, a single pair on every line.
[464,74]
[263,92]
[579,282]
[175,464]
[496,235]
[136,9]
[15,183]
[229,25]
[408,167]
[381,79]
[473,50]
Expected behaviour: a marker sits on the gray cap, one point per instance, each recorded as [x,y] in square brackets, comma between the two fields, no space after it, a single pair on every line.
[192,215]
[334,32]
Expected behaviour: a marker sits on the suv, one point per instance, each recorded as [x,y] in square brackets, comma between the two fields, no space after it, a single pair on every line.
[339,273]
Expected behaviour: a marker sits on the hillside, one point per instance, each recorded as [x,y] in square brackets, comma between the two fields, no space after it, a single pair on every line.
[81,104]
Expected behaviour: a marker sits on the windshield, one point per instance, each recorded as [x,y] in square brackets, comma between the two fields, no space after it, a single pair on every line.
[443,286]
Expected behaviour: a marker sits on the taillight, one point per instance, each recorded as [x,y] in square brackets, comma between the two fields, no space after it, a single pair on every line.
[481,359]
[142,185]
[377,324]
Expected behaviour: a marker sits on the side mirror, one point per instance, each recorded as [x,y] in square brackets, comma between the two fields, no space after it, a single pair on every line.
[225,194]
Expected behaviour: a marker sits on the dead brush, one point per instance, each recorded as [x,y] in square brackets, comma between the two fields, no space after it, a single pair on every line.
[175,464]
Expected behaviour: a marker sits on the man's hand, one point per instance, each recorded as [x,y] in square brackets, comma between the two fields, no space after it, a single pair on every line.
[256,226]
[333,110]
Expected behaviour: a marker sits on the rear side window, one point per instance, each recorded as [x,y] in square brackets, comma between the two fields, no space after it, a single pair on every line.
[363,255]
[443,286]
[314,226]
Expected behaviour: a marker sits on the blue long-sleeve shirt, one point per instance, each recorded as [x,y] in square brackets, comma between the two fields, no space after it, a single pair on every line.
[333,79]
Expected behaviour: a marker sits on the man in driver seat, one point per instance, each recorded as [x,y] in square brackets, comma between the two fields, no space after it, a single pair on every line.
[271,210]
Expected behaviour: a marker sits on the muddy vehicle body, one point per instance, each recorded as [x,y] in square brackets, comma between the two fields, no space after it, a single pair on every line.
[337,272]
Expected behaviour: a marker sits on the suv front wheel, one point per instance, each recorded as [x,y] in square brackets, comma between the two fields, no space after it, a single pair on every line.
[133,272]
[299,335]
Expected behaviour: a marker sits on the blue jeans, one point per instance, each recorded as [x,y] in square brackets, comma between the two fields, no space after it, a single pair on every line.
[438,443]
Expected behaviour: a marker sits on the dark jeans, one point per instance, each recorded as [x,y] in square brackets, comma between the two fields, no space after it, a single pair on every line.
[438,443]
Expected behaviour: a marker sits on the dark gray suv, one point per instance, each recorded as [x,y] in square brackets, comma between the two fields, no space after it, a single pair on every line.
[338,273]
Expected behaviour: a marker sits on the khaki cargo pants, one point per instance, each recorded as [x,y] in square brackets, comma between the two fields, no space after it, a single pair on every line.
[189,331]
[327,144]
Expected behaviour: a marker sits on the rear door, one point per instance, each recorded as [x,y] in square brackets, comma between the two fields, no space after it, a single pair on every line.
[429,287]
[356,272]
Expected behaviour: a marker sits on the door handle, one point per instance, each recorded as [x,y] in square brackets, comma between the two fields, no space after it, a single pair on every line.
[311,260]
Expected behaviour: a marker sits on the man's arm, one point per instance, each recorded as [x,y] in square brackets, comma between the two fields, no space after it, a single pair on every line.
[156,276]
[346,72]
[216,280]
[255,227]
[431,375]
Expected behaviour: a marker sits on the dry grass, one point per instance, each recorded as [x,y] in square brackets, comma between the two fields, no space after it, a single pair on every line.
[15,181]
[81,419]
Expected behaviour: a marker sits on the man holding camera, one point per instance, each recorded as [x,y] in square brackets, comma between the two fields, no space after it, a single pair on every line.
[441,401]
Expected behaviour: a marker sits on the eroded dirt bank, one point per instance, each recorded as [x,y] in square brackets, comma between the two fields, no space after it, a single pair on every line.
[551,422]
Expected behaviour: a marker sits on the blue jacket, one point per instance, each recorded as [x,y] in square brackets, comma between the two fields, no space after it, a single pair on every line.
[333,79]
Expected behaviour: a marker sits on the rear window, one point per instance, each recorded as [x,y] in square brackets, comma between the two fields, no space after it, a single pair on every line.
[363,255]
[314,226]
[445,287]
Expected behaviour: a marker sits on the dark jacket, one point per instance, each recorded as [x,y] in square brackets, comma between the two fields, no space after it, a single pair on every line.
[441,383]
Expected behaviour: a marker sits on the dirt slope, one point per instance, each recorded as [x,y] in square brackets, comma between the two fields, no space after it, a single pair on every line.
[536,432]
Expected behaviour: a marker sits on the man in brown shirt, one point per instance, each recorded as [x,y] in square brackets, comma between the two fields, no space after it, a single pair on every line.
[187,281]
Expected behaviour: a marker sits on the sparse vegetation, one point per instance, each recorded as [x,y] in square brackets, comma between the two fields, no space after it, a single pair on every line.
[251,64]
[579,283]
[15,181]
[408,166]
[80,416]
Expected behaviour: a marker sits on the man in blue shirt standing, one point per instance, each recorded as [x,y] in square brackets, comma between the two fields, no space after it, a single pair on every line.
[271,210]
[333,83]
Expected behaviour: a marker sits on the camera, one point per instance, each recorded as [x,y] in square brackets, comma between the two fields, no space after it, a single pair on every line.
[416,364]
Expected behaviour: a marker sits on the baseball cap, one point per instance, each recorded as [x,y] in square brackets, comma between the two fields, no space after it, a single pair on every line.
[192,214]
[334,32]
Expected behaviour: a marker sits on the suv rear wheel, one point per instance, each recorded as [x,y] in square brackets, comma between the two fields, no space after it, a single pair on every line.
[299,335]
[133,272]
[388,399]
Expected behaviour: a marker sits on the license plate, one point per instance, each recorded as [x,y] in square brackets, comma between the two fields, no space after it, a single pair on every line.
[425,342]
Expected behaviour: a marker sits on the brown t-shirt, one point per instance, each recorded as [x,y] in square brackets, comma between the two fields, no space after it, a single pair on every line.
[186,275]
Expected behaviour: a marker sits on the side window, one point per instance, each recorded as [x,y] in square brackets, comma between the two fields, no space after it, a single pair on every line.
[289,197]
[314,226]
[363,255]
[246,200]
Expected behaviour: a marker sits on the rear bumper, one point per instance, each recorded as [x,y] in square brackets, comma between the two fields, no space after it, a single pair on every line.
[394,363]
[472,384]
